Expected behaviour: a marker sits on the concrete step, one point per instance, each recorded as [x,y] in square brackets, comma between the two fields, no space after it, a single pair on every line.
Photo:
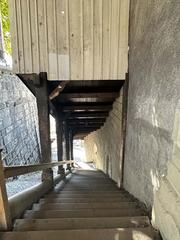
[85,200]
[80,223]
[86,234]
[83,213]
[69,206]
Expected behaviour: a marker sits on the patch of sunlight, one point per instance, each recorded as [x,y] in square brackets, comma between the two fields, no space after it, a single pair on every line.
[155,180]
[79,151]
[154,117]
[84,166]
[139,235]
[135,234]
[53,138]
[134,222]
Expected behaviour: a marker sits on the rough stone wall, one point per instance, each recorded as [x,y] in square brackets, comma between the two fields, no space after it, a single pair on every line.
[152,159]
[103,146]
[19,135]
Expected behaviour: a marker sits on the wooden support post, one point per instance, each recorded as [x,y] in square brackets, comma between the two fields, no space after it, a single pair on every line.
[124,123]
[44,124]
[71,146]
[59,132]
[64,143]
[67,145]
[5,217]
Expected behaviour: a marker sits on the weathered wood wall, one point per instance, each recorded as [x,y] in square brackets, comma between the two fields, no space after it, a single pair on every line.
[70,39]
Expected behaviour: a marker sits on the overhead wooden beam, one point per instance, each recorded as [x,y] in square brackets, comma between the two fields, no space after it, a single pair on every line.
[86,108]
[87,115]
[85,129]
[85,124]
[58,90]
[93,120]
[30,80]
[81,135]
[106,95]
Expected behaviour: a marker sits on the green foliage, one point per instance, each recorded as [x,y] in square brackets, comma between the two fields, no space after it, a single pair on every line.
[4,11]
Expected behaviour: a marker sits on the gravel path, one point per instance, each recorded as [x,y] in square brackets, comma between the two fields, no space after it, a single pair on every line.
[26,181]
[23,182]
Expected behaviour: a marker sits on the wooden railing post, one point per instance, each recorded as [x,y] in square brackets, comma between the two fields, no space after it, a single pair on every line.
[5,217]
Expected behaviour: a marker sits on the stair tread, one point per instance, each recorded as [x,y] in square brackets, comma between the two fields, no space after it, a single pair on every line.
[83,213]
[146,233]
[96,205]
[84,200]
[84,196]
[80,223]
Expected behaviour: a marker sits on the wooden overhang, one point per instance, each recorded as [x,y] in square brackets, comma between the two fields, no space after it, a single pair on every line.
[70,39]
[85,105]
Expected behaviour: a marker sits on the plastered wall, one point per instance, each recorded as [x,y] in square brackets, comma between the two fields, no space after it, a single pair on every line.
[152,159]
[103,147]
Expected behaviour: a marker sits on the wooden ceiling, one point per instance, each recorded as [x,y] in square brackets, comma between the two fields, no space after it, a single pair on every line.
[85,105]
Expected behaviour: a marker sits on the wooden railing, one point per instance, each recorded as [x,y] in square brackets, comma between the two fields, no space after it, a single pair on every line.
[14,171]
[16,205]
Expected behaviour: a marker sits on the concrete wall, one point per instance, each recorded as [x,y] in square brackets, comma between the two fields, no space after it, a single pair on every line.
[103,146]
[18,122]
[152,160]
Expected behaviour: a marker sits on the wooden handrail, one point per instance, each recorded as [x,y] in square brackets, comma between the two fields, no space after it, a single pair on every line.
[14,171]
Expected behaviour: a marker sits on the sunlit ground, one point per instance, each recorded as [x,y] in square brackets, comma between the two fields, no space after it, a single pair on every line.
[80,156]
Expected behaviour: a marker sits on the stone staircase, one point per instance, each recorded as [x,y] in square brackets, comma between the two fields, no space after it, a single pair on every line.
[88,207]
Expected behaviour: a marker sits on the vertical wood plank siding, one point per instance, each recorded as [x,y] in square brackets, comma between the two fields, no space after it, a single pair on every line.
[70,39]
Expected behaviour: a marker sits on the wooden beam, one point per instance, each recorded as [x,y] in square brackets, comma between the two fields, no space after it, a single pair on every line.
[71,142]
[80,135]
[82,121]
[44,124]
[106,95]
[87,115]
[86,108]
[86,127]
[43,117]
[124,125]
[59,134]
[30,80]
[67,143]
[86,123]
[58,90]
[5,217]
[21,170]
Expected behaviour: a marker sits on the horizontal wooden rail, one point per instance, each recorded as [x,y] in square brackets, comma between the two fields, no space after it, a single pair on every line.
[14,171]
